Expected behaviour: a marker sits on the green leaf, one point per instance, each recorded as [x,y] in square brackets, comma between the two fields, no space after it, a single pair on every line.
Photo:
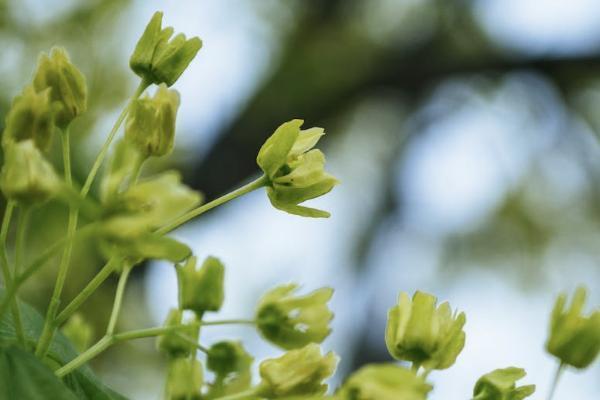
[82,382]
[24,377]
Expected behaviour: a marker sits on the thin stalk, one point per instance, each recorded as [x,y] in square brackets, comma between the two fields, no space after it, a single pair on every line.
[557,374]
[22,224]
[63,268]
[87,291]
[8,279]
[239,396]
[229,322]
[256,184]
[114,315]
[84,357]
[104,150]
[109,340]
[148,332]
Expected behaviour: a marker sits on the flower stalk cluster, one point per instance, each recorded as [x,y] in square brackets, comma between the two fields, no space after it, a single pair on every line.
[133,214]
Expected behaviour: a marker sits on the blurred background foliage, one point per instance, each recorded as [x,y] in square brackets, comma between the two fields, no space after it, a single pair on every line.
[465,134]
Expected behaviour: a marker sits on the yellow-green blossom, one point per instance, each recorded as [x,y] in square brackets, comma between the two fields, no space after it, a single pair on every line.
[184,379]
[295,173]
[26,176]
[296,373]
[500,384]
[201,289]
[67,85]
[159,59]
[427,336]
[574,338]
[231,365]
[150,123]
[384,382]
[31,116]
[291,321]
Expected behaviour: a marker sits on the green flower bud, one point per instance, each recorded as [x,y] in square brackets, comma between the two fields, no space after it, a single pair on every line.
[158,60]
[79,332]
[297,373]
[500,384]
[30,117]
[231,365]
[291,321]
[176,343]
[26,176]
[67,84]
[418,332]
[201,289]
[574,338]
[384,382]
[184,379]
[148,205]
[151,122]
[294,171]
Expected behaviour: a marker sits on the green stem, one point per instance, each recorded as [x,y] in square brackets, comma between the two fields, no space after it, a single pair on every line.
[114,315]
[256,184]
[84,357]
[22,224]
[87,291]
[8,279]
[104,150]
[557,375]
[109,340]
[148,332]
[239,396]
[229,322]
[63,268]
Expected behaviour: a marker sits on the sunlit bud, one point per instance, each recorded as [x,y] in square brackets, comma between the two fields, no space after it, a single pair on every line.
[31,116]
[151,122]
[67,84]
[500,384]
[178,342]
[427,336]
[384,382]
[574,338]
[159,59]
[231,364]
[297,373]
[79,332]
[184,379]
[201,289]
[291,321]
[26,175]
[295,173]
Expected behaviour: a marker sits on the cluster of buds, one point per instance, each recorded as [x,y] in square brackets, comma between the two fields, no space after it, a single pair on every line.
[57,95]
